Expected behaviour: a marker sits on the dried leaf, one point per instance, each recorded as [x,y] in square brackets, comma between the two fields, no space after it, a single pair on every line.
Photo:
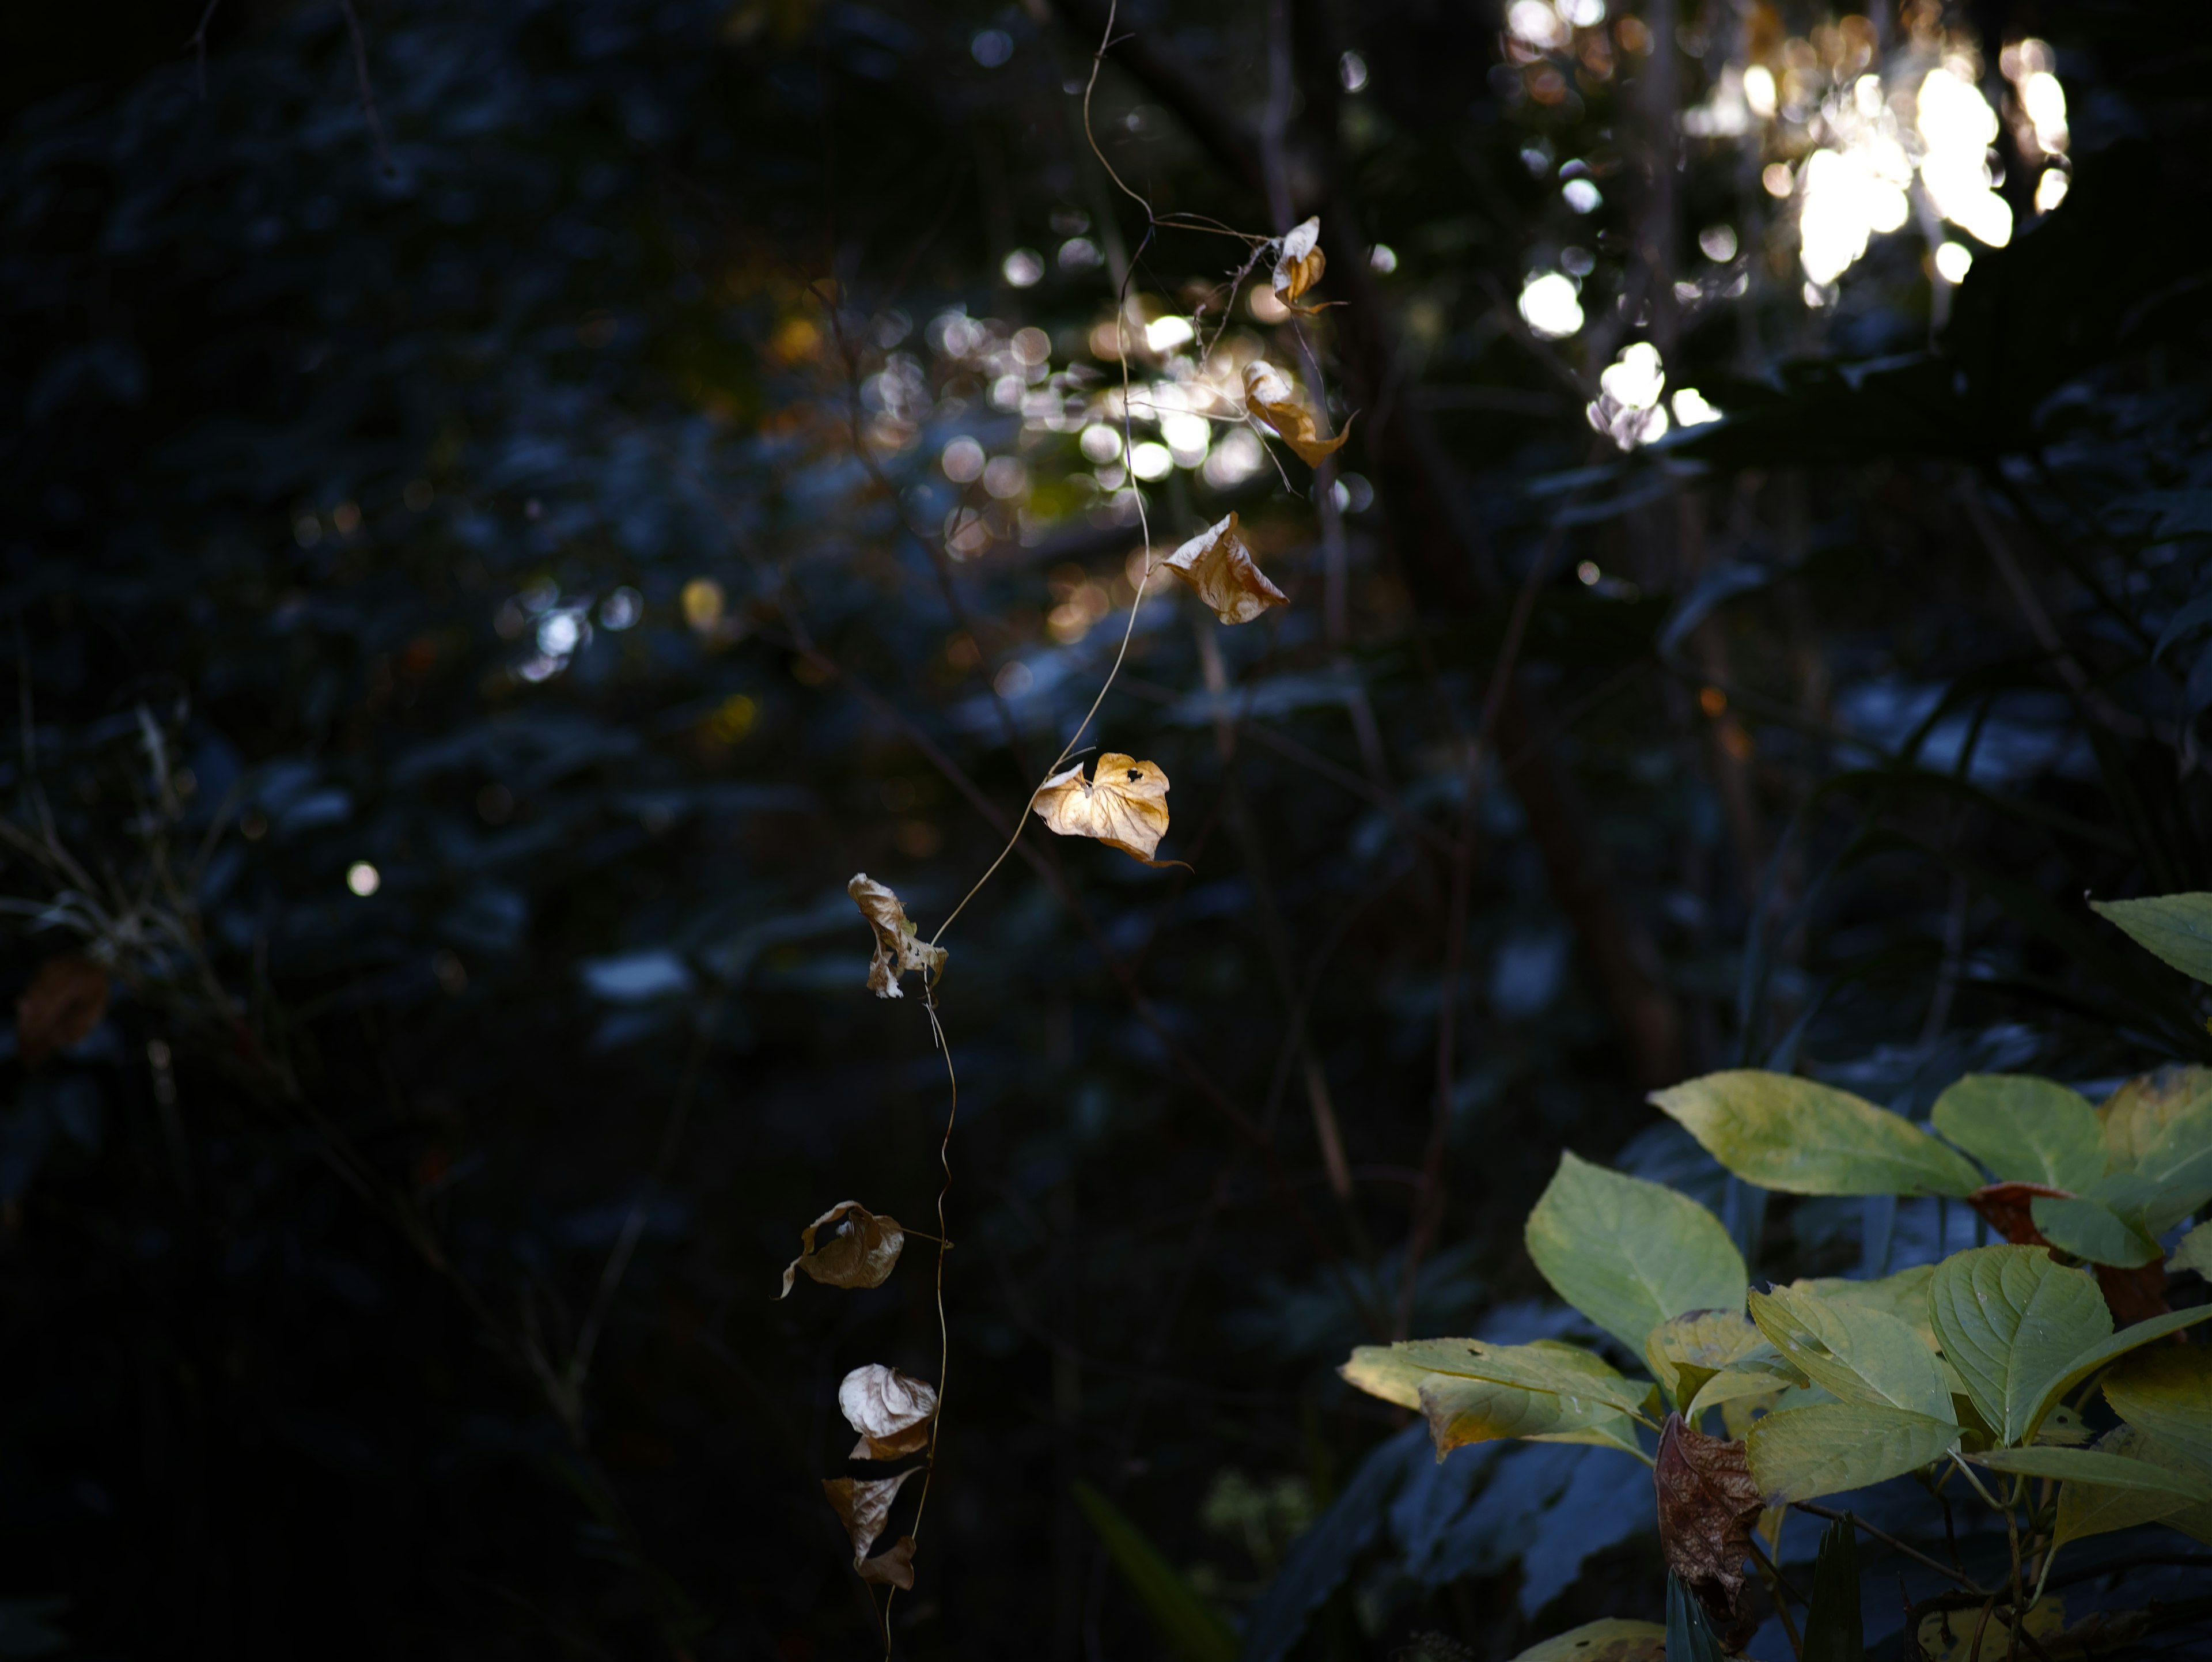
[1299,262]
[1124,804]
[862,1253]
[891,1411]
[60,1008]
[899,946]
[863,1505]
[1218,564]
[1269,397]
[1708,1502]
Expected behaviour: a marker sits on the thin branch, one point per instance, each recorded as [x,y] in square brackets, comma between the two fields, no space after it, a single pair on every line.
[367,92]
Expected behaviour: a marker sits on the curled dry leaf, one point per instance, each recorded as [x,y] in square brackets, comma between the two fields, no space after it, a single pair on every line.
[60,1008]
[1299,265]
[862,1253]
[863,1505]
[899,945]
[891,1411]
[1124,804]
[1708,1502]
[1269,396]
[1218,564]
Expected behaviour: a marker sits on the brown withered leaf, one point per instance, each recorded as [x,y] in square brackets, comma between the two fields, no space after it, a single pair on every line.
[1708,1502]
[60,1008]
[1298,266]
[1124,804]
[2132,1294]
[863,1505]
[1269,396]
[899,945]
[862,1253]
[1218,564]
[891,1411]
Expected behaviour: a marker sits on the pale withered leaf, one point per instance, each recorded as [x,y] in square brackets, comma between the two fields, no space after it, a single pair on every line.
[1269,396]
[1124,804]
[1708,1502]
[1216,564]
[60,1008]
[863,1505]
[1299,265]
[891,1411]
[899,945]
[861,1253]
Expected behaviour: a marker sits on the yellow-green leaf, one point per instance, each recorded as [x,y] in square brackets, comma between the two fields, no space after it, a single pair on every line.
[1612,1640]
[2136,1116]
[2090,1230]
[1630,1254]
[1861,1353]
[2194,1252]
[2167,1394]
[2089,1465]
[2180,1158]
[1741,1385]
[2106,1350]
[2010,1321]
[1565,1370]
[2177,927]
[1904,1295]
[1463,1411]
[1686,1351]
[1802,1453]
[2025,1129]
[1803,1138]
[2091,1508]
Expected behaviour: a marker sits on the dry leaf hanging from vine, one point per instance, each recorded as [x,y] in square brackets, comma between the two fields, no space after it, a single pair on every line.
[60,1008]
[861,1253]
[1124,804]
[899,946]
[891,1411]
[1269,396]
[863,1505]
[1218,564]
[1299,265]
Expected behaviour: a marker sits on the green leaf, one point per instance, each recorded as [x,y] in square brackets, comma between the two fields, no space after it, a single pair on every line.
[2139,1114]
[1690,1636]
[1860,1354]
[2091,1508]
[1734,1385]
[1471,1392]
[1904,1295]
[1834,1630]
[2167,1393]
[2090,1230]
[2194,1252]
[2089,1465]
[1630,1254]
[2011,1321]
[1690,1350]
[2177,927]
[2025,1129]
[2097,1356]
[1188,1624]
[1463,1411]
[2181,1157]
[1803,1138]
[1802,1453]
[1612,1640]
[1548,1365]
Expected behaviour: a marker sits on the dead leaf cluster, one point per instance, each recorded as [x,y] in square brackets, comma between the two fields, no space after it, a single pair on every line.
[892,1412]
[899,945]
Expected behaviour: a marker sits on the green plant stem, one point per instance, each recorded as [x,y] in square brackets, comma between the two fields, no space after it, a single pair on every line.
[1780,1590]
[1964,1581]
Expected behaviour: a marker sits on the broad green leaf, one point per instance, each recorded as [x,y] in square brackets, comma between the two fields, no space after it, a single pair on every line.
[2011,1321]
[1630,1254]
[2025,1129]
[2194,1252]
[1834,1628]
[1612,1640]
[2181,1156]
[2090,1230]
[2149,1206]
[1861,1353]
[2089,1465]
[2167,1393]
[2119,1344]
[2136,1116]
[1736,1385]
[1904,1295]
[1189,1625]
[1687,1351]
[2089,1508]
[1396,1372]
[2177,927]
[1463,1411]
[1782,1132]
[1802,1453]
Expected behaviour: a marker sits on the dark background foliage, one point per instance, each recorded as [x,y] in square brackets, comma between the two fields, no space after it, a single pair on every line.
[462,485]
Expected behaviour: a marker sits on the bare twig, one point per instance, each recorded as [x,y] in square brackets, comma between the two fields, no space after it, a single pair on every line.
[367,92]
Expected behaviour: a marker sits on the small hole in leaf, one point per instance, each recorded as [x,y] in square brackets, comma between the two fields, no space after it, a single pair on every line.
[1135,773]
